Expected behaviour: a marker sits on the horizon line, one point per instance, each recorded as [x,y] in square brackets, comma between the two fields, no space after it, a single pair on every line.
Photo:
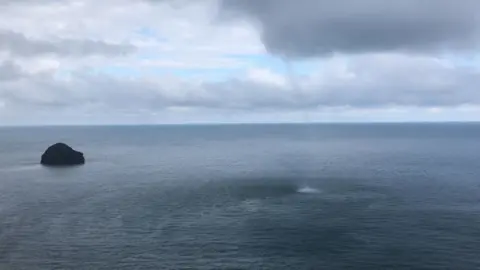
[240,124]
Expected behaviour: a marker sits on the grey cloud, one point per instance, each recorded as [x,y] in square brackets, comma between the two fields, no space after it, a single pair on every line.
[19,45]
[377,82]
[306,28]
[28,1]
[10,71]
[10,2]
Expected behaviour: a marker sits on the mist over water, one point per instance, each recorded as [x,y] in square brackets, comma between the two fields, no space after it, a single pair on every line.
[378,196]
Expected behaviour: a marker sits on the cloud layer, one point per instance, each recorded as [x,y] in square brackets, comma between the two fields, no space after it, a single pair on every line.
[362,82]
[124,61]
[17,44]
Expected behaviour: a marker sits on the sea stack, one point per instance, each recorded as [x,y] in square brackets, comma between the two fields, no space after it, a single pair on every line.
[61,154]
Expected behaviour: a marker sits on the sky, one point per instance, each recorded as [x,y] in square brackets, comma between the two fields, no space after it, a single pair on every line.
[81,62]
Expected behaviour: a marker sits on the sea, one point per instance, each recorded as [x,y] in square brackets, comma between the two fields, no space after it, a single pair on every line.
[259,196]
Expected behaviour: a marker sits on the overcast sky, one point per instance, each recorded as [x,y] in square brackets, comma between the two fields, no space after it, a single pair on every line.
[197,61]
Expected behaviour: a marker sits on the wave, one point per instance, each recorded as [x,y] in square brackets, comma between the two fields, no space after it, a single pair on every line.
[19,168]
[308,190]
[266,187]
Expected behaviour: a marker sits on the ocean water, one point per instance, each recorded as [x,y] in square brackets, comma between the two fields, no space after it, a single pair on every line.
[360,196]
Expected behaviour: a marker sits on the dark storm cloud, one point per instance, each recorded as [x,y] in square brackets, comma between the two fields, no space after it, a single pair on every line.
[304,28]
[19,45]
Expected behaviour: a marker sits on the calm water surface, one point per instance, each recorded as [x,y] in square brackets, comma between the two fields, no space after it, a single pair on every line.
[366,196]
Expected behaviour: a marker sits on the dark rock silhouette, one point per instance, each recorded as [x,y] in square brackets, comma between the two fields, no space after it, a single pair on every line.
[61,154]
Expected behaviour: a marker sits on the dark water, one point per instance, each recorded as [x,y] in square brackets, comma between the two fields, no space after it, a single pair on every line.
[404,196]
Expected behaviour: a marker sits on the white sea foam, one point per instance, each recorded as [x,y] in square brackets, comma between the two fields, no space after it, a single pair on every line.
[251,205]
[21,168]
[308,190]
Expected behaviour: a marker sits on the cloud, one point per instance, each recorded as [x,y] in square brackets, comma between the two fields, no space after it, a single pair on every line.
[377,81]
[366,86]
[392,80]
[380,86]
[308,28]
[9,71]
[18,44]
[181,64]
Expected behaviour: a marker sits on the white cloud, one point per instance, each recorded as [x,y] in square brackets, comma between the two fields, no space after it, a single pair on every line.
[19,45]
[267,77]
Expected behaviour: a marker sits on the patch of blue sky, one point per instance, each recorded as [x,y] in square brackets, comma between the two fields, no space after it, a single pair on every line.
[208,73]
[211,74]
[470,60]
[148,33]
[245,61]
[279,65]
[119,71]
